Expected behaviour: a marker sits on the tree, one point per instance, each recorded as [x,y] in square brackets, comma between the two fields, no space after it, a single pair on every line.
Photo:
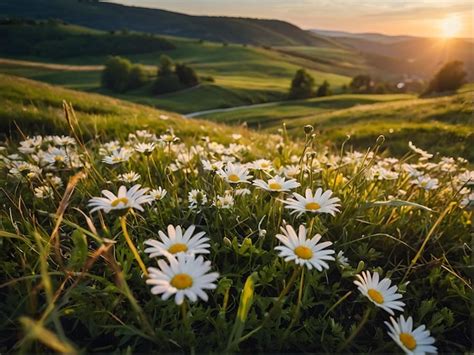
[116,74]
[302,85]
[323,89]
[361,83]
[449,78]
[186,75]
[137,77]
[166,66]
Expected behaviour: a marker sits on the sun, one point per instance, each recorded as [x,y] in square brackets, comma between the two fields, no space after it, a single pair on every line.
[451,26]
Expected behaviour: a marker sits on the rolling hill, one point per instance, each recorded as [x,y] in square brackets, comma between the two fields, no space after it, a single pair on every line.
[108,16]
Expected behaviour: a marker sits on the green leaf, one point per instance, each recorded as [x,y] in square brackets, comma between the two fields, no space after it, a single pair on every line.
[398,203]
[79,251]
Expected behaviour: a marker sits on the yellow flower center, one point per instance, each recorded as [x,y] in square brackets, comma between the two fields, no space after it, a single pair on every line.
[59,158]
[312,206]
[264,165]
[375,295]
[234,178]
[116,202]
[177,248]
[408,340]
[303,252]
[275,186]
[181,281]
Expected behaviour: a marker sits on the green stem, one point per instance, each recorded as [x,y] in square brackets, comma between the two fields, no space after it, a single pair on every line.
[123,223]
[356,331]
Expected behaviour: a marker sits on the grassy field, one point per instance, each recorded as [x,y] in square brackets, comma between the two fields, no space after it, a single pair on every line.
[75,280]
[243,75]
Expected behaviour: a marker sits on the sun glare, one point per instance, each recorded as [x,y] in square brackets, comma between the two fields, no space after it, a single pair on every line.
[450,26]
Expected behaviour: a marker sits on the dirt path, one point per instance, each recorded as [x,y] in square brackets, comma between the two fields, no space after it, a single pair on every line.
[64,67]
[230,109]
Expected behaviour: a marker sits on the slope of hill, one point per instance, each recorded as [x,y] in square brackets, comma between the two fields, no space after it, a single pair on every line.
[36,108]
[242,74]
[440,124]
[108,16]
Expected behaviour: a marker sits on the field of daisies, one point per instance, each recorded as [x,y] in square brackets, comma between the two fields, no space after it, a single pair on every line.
[155,243]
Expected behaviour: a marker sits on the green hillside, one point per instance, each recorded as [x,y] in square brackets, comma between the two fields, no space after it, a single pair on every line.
[36,108]
[242,74]
[107,16]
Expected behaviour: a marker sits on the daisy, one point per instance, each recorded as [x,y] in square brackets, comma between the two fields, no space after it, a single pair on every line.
[43,192]
[118,156]
[224,202]
[178,242]
[411,341]
[379,293]
[133,198]
[341,259]
[318,203]
[56,156]
[262,164]
[196,198]
[426,183]
[424,154]
[185,276]
[158,194]
[129,177]
[277,183]
[211,166]
[145,148]
[303,251]
[234,174]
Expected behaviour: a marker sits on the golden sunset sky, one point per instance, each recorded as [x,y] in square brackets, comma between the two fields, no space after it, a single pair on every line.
[427,18]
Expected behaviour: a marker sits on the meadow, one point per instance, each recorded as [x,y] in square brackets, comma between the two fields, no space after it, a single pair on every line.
[203,255]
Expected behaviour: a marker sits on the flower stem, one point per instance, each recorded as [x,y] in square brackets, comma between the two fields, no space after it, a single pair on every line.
[123,223]
[356,331]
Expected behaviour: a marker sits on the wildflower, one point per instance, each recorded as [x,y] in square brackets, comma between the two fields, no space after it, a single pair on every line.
[118,156]
[262,164]
[56,156]
[224,202]
[235,174]
[242,192]
[305,252]
[379,293]
[145,148]
[196,198]
[424,154]
[277,183]
[185,276]
[426,182]
[164,117]
[318,203]
[158,194]
[129,177]
[63,140]
[411,341]
[30,145]
[24,169]
[211,166]
[169,137]
[178,242]
[341,259]
[291,171]
[125,200]
[43,192]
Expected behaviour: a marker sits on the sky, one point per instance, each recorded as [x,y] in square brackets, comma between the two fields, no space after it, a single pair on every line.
[427,18]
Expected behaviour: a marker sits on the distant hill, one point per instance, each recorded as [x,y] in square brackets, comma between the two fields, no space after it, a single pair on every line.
[406,55]
[108,16]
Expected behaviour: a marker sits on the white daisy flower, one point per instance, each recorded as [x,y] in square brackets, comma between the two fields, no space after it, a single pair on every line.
[341,259]
[158,194]
[277,183]
[118,156]
[291,171]
[133,198]
[379,292]
[196,198]
[426,182]
[56,156]
[43,192]
[305,252]
[318,203]
[242,192]
[185,276]
[129,177]
[63,140]
[211,166]
[261,164]
[424,154]
[235,173]
[412,342]
[145,148]
[178,242]
[225,202]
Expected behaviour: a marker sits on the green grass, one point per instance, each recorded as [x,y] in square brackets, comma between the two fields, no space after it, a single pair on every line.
[243,75]
[70,281]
